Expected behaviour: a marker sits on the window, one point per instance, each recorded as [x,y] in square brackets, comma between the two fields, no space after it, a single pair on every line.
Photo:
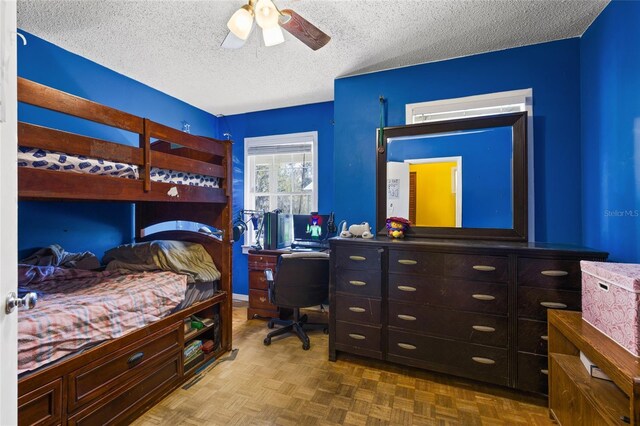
[281,172]
[476,106]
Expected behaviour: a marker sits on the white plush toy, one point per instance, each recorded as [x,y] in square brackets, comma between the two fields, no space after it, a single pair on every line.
[363,230]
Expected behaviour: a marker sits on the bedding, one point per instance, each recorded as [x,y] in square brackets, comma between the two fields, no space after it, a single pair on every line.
[77,308]
[181,257]
[51,160]
[55,255]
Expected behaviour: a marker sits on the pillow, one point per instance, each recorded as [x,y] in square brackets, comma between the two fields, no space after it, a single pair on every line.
[181,257]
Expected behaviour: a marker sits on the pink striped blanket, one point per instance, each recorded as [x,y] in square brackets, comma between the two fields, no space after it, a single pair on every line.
[77,309]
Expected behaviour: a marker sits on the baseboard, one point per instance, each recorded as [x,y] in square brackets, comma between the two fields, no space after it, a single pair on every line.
[242,297]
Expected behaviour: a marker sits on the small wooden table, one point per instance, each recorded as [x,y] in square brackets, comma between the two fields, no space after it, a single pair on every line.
[576,398]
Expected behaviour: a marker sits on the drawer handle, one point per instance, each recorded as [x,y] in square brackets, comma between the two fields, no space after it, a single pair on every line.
[545,372]
[407,317]
[263,299]
[481,360]
[406,288]
[357,336]
[485,297]
[545,338]
[483,328]
[358,258]
[554,273]
[357,283]
[553,305]
[407,262]
[484,268]
[135,359]
[356,309]
[407,346]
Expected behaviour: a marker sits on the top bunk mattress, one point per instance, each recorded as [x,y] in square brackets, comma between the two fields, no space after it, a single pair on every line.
[78,309]
[50,160]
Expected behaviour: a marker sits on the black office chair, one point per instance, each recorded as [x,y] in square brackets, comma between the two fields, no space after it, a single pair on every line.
[301,280]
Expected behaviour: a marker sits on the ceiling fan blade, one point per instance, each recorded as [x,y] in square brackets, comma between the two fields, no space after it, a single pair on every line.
[303,30]
[232,42]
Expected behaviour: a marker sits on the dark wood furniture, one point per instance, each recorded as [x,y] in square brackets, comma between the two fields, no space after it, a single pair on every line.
[116,381]
[259,305]
[469,308]
[576,398]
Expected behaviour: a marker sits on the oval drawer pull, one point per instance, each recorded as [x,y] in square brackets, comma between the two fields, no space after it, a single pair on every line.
[407,262]
[357,283]
[407,346]
[485,297]
[481,360]
[484,268]
[407,317]
[406,288]
[553,305]
[545,338]
[554,273]
[483,328]
[356,336]
[357,309]
[135,359]
[545,372]
[357,258]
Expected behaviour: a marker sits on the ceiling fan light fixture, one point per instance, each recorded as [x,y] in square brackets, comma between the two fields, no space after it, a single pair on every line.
[266,14]
[241,22]
[272,36]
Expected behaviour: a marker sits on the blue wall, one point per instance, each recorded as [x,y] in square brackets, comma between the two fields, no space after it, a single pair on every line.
[90,226]
[486,171]
[550,69]
[610,71]
[306,118]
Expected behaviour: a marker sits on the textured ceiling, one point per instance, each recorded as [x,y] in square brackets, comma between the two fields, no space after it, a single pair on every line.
[174,46]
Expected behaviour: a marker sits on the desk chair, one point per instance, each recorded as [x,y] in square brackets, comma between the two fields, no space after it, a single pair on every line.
[301,280]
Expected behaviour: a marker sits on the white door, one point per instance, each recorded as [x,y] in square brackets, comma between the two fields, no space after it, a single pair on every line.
[8,213]
[397,189]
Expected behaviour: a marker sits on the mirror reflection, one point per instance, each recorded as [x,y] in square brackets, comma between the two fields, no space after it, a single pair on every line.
[461,179]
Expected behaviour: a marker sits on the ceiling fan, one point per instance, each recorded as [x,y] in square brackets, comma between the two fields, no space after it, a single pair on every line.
[271,19]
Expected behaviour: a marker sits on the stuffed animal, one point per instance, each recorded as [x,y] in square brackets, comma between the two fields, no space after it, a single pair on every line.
[396,227]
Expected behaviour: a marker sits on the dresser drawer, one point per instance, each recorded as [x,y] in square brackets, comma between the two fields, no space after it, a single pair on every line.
[359,282]
[461,359]
[533,302]
[357,336]
[415,262]
[260,262]
[358,309]
[533,373]
[118,408]
[483,268]
[471,296]
[550,273]
[257,280]
[482,329]
[259,299]
[363,258]
[99,377]
[532,336]
[42,406]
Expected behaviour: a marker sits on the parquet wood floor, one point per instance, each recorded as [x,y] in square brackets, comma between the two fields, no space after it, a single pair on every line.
[283,385]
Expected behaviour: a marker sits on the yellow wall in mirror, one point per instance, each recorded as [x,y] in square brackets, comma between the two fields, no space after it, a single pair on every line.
[435,196]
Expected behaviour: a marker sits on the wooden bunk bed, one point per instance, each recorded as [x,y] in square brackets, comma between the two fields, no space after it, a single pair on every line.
[119,379]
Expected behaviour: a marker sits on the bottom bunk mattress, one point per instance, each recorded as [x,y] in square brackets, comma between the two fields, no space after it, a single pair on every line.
[49,160]
[78,309]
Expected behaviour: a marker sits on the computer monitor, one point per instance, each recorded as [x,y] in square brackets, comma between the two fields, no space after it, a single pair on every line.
[310,228]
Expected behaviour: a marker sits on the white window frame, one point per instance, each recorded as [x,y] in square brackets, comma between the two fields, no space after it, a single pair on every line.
[284,139]
[486,104]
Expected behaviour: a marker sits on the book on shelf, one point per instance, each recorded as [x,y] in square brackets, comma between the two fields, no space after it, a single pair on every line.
[193,347]
[593,369]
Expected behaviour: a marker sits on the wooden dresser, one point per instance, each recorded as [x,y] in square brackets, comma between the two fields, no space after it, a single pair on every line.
[469,308]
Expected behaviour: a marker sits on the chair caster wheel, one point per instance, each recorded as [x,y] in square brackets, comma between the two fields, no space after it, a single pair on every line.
[325,330]
[267,341]
[270,324]
[306,346]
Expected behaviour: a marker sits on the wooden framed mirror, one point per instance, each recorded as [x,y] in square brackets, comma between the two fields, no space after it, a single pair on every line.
[463,178]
